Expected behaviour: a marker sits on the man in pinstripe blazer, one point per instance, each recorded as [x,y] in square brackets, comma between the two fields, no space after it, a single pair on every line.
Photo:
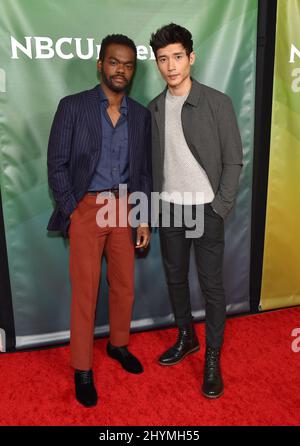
[100,138]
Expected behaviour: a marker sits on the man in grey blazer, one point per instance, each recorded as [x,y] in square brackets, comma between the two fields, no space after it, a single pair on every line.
[196,148]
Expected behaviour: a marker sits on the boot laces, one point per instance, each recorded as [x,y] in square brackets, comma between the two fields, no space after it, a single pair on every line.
[212,360]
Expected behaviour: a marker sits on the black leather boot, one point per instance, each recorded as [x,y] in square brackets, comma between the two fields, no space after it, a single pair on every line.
[86,393]
[212,383]
[187,342]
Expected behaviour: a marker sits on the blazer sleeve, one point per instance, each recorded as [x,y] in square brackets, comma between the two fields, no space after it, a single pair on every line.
[146,172]
[59,152]
[232,158]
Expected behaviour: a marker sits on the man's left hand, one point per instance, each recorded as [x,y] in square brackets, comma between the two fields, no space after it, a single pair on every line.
[143,236]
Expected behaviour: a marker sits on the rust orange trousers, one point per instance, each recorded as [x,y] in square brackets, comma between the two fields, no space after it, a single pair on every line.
[88,243]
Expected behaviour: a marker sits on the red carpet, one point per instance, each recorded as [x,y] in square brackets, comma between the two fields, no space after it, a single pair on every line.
[260,370]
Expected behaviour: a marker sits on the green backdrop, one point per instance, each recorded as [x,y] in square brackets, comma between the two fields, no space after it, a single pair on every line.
[48,49]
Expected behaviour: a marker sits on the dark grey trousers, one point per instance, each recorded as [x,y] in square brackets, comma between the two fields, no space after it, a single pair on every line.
[209,251]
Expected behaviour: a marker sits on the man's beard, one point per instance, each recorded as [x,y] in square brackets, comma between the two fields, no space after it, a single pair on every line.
[108,82]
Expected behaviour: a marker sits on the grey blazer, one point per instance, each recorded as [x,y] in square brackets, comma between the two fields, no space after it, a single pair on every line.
[211,131]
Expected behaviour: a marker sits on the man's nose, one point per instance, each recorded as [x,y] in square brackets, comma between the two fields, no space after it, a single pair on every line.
[120,68]
[171,65]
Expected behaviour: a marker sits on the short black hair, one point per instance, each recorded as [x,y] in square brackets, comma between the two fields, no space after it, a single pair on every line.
[119,39]
[169,34]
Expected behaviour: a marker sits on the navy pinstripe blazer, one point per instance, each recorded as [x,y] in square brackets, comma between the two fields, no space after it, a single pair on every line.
[75,146]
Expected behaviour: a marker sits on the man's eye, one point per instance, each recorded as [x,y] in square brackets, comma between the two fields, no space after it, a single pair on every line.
[113,62]
[179,57]
[129,67]
[162,60]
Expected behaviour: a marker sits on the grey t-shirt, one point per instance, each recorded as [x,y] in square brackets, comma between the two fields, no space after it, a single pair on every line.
[182,173]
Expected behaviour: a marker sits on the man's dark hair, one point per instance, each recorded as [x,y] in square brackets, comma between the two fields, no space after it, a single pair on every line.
[119,39]
[169,34]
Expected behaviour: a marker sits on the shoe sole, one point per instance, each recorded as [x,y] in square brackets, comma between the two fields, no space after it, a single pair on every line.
[194,350]
[212,397]
[87,405]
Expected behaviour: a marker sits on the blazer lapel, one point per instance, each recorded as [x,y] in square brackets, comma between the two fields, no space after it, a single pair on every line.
[160,120]
[93,116]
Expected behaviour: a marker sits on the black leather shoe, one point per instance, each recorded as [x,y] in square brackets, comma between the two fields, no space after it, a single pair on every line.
[187,343]
[86,393]
[129,362]
[213,386]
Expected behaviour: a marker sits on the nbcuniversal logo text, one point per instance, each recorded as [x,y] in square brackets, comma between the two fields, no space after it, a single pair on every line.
[295,85]
[64,48]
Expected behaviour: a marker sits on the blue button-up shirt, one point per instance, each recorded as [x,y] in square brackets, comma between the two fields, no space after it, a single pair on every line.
[113,165]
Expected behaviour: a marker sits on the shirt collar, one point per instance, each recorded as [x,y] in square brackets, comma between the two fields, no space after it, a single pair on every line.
[104,100]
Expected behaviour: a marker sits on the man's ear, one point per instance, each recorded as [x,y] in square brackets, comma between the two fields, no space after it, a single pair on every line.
[99,65]
[192,57]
